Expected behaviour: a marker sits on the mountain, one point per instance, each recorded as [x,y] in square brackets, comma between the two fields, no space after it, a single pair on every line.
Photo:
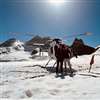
[37,42]
[80,48]
[8,43]
[11,42]
[11,45]
[38,39]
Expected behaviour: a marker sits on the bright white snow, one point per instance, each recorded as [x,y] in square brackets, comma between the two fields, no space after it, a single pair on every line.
[15,56]
[22,80]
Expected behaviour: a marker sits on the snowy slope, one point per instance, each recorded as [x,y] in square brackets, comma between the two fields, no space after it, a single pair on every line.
[22,80]
[15,56]
[98,51]
[14,53]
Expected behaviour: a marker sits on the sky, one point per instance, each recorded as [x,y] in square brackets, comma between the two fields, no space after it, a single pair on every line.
[23,19]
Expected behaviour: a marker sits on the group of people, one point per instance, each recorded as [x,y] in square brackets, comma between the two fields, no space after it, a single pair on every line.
[62,53]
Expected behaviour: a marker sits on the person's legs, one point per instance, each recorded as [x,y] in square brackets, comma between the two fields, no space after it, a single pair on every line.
[57,67]
[70,66]
[65,64]
[61,66]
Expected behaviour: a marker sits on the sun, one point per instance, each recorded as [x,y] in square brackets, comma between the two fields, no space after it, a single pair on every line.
[56,2]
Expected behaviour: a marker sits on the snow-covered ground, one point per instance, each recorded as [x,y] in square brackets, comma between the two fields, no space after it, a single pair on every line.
[23,80]
[15,56]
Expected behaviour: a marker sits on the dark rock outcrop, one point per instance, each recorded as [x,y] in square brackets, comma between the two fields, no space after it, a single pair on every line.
[34,52]
[79,48]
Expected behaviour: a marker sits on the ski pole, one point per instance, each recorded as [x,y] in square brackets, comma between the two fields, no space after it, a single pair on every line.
[91,62]
[48,62]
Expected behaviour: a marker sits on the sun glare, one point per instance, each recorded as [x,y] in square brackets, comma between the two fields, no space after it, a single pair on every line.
[57,2]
